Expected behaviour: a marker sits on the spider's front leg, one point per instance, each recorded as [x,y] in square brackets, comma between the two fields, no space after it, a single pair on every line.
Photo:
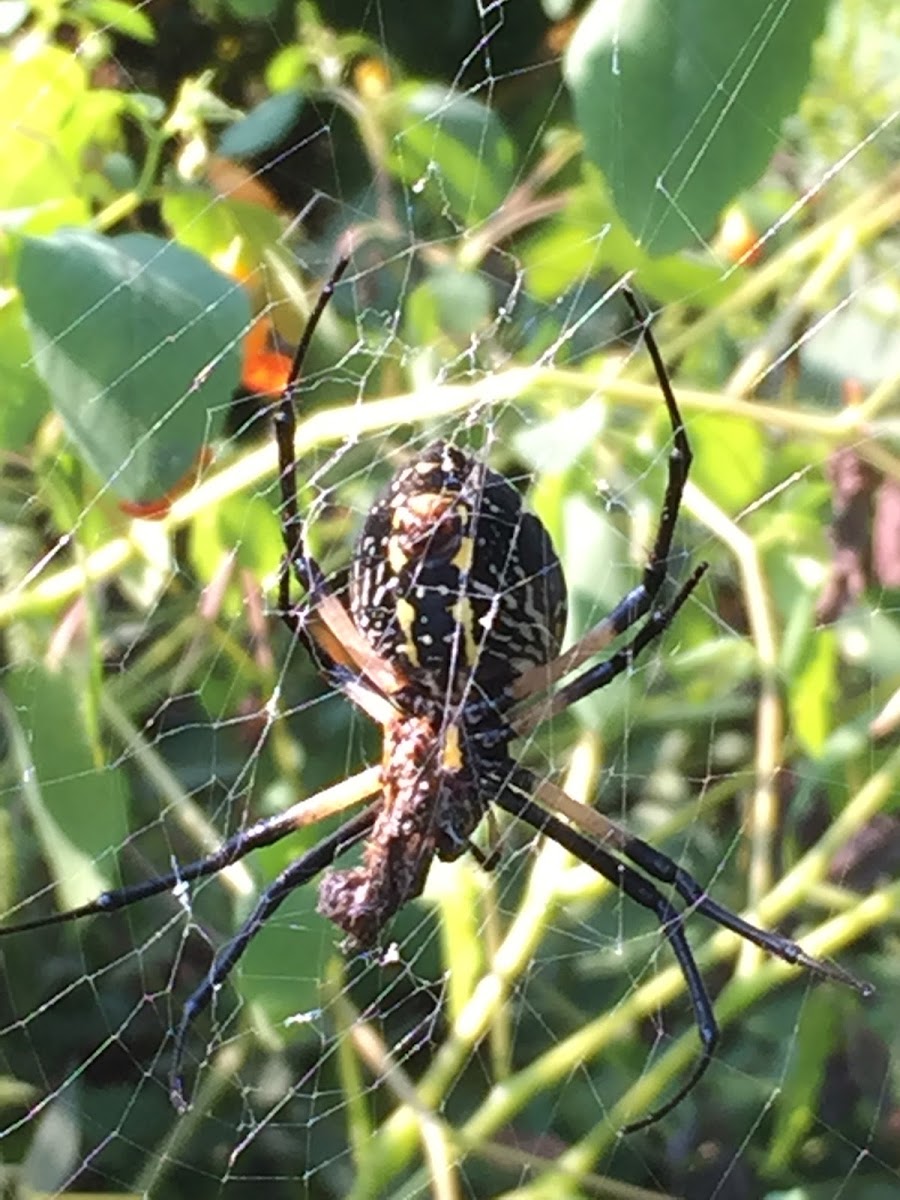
[641,599]
[336,647]
[292,877]
[297,619]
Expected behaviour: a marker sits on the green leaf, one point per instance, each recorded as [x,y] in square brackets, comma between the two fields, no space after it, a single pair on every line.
[245,526]
[452,150]
[55,1151]
[282,966]
[729,460]
[24,397]
[119,16]
[263,127]
[253,10]
[681,103]
[797,1103]
[38,163]
[79,809]
[812,692]
[587,237]
[138,341]
[449,303]
[211,229]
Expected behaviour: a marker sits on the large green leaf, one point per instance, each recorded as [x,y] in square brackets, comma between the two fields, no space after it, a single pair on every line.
[681,103]
[138,341]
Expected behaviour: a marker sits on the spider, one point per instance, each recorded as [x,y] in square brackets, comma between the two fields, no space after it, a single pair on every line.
[450,640]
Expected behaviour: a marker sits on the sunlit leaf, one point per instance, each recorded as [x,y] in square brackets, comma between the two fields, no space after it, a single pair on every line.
[681,103]
[138,341]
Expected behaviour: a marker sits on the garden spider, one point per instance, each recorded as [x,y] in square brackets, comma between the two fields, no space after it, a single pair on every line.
[450,641]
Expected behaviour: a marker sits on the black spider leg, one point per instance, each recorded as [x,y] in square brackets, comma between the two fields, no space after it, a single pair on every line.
[297,617]
[525,717]
[298,558]
[262,833]
[515,798]
[665,870]
[641,598]
[292,877]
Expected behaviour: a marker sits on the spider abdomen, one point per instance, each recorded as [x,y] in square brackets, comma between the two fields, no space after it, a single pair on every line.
[453,581]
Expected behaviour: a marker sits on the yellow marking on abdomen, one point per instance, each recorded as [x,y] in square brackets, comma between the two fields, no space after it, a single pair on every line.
[451,755]
[462,559]
[465,618]
[396,558]
[406,617]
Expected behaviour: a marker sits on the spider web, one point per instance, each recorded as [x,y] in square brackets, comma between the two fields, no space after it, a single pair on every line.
[515,1018]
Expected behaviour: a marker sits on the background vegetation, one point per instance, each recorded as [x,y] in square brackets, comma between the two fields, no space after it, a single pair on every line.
[176,181]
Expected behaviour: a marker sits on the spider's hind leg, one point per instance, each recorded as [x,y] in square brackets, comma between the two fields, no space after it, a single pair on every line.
[516,799]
